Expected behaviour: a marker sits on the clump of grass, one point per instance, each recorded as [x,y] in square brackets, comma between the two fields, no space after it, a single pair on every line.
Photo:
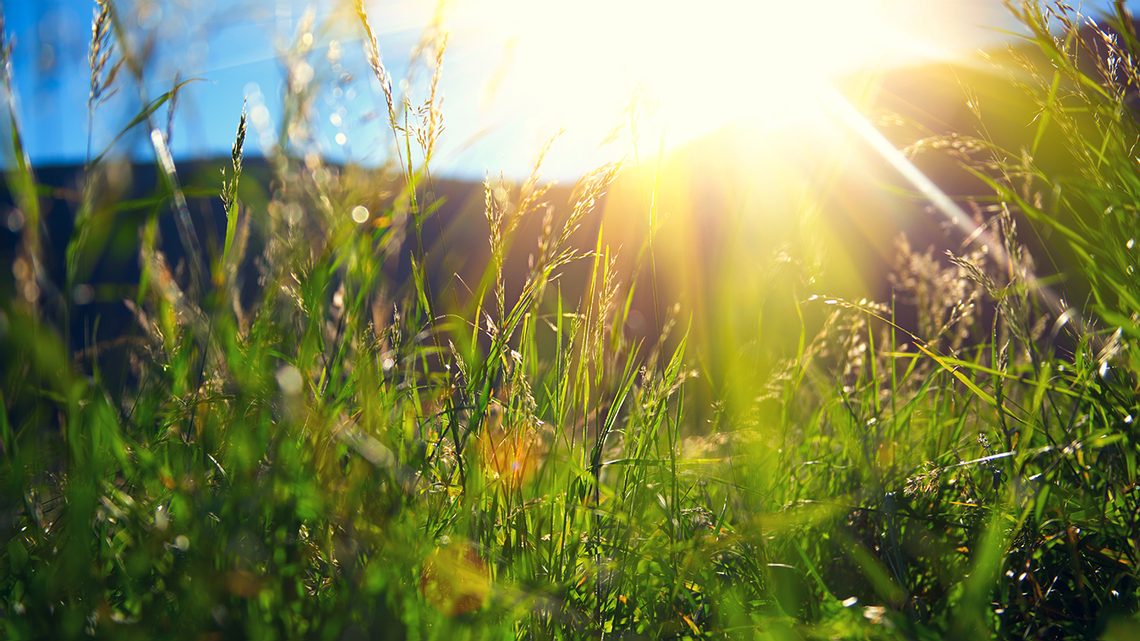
[337,453]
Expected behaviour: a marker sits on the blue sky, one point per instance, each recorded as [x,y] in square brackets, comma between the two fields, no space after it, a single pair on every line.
[231,46]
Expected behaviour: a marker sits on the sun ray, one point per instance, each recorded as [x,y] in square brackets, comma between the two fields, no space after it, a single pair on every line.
[943,203]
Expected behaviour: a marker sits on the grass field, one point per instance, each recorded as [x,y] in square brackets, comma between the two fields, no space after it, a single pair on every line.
[294,445]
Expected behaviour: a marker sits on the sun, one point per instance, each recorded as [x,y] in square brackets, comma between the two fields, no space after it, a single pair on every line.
[684,68]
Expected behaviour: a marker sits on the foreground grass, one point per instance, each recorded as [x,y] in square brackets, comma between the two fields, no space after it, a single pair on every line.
[337,456]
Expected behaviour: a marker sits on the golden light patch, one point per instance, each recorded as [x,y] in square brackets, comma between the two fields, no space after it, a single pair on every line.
[455,580]
[509,454]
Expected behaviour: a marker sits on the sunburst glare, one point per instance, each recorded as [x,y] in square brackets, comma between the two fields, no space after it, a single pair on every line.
[685,69]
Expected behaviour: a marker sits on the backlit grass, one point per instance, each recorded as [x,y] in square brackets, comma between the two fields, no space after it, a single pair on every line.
[311,429]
